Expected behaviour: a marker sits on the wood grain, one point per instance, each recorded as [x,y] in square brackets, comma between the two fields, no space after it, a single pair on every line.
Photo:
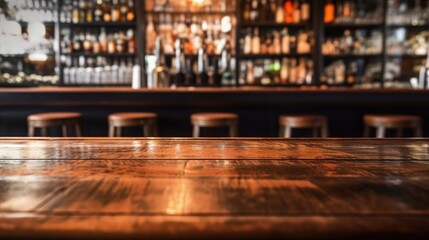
[225,188]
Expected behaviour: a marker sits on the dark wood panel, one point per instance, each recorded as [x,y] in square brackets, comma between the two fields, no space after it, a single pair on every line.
[285,169]
[214,149]
[212,227]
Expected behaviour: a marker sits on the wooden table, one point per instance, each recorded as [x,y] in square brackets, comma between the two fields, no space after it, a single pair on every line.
[214,188]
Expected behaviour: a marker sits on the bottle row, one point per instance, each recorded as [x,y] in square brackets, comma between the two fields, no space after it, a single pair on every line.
[404,12]
[102,11]
[99,42]
[212,32]
[206,6]
[397,43]
[98,71]
[350,11]
[278,11]
[30,10]
[275,42]
[360,42]
[288,71]
[357,71]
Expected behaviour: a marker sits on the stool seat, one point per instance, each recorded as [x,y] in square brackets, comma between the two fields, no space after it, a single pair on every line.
[316,122]
[398,122]
[132,119]
[215,120]
[45,120]
[54,116]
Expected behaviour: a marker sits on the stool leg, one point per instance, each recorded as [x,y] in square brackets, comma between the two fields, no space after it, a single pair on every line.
[381,130]
[147,129]
[196,132]
[281,131]
[367,131]
[233,130]
[78,130]
[111,130]
[325,130]
[64,128]
[44,132]
[418,132]
[288,132]
[119,132]
[31,131]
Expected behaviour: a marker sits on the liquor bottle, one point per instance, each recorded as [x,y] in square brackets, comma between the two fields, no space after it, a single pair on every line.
[107,16]
[131,41]
[191,76]
[309,74]
[246,10]
[247,48]
[120,43]
[87,43]
[288,11]
[292,71]
[329,12]
[89,15]
[228,75]
[203,77]
[254,12]
[285,41]
[150,35]
[82,11]
[293,44]
[131,14]
[263,16]
[256,42]
[111,44]
[301,71]
[266,76]
[75,12]
[123,10]
[98,11]
[284,72]
[180,64]
[279,12]
[160,74]
[96,47]
[296,12]
[347,10]
[250,73]
[273,10]
[303,43]
[103,41]
[116,11]
[277,49]
[305,11]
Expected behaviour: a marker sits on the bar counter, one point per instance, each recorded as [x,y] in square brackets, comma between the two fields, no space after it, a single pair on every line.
[258,107]
[214,188]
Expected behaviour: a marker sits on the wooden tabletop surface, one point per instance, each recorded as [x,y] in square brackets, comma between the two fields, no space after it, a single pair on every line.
[214,188]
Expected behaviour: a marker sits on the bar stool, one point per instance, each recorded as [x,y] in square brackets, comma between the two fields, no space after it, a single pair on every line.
[147,120]
[316,122]
[397,122]
[230,120]
[45,120]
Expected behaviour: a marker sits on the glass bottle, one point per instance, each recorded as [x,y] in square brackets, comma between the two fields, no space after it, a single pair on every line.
[284,72]
[103,41]
[305,11]
[107,16]
[98,11]
[123,10]
[254,12]
[131,41]
[116,11]
[256,42]
[285,41]
[131,14]
[247,48]
[75,13]
[246,11]
[288,11]
[296,12]
[89,12]
[329,12]
[279,12]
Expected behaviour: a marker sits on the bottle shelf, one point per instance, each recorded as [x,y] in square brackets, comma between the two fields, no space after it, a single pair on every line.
[274,56]
[192,55]
[273,25]
[102,24]
[425,26]
[339,56]
[48,24]
[191,13]
[400,55]
[99,54]
[353,25]
[51,54]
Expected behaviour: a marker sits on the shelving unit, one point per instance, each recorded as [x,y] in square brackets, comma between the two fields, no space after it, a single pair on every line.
[408,61]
